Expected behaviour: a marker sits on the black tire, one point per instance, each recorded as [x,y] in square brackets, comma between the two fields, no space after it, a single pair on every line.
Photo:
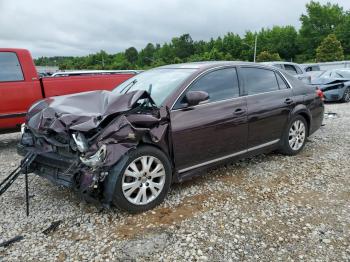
[120,200]
[285,145]
[346,95]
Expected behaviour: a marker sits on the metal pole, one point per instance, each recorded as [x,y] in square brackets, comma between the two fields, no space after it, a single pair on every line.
[256,41]
[27,191]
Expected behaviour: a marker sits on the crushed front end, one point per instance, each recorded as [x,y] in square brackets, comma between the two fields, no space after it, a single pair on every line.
[80,148]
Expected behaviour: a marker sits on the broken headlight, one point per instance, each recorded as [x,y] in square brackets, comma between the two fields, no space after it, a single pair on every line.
[27,138]
[81,142]
[96,159]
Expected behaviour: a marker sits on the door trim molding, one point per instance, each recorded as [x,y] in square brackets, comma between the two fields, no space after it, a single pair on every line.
[5,116]
[229,156]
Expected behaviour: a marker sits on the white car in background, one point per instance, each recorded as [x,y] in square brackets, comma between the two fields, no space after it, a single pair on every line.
[292,68]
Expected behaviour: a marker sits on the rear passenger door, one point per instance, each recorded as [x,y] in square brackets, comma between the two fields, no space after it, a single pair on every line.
[212,130]
[269,103]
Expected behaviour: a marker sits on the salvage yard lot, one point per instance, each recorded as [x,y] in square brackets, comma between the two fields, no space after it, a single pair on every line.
[269,207]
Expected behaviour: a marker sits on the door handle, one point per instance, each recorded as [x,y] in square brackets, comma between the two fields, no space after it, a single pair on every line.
[288,101]
[239,111]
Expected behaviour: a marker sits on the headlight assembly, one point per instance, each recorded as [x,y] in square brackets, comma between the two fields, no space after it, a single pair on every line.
[96,159]
[81,142]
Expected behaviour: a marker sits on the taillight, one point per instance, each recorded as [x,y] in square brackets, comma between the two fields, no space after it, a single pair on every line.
[319,93]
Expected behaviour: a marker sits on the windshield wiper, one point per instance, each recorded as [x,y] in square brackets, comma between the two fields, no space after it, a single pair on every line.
[128,86]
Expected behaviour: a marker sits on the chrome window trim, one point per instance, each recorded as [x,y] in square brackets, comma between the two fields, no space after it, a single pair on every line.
[204,103]
[229,156]
[285,78]
[233,66]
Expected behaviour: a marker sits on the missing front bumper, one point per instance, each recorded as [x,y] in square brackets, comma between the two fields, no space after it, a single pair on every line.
[52,166]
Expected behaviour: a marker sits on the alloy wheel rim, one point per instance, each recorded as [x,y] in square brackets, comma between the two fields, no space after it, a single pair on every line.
[143,180]
[297,135]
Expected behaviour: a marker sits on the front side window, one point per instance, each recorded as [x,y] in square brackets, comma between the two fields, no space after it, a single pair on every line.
[220,85]
[10,68]
[258,80]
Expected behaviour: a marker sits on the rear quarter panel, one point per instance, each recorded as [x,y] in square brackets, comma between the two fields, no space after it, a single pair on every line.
[307,103]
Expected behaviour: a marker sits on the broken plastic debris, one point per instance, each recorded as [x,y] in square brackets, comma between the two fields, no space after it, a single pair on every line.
[53,227]
[11,241]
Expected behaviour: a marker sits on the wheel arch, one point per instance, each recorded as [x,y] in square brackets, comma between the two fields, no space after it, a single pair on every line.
[305,113]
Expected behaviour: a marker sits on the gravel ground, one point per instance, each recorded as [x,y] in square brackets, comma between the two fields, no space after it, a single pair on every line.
[270,207]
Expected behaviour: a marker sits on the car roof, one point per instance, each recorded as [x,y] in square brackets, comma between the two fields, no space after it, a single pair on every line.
[206,65]
[278,63]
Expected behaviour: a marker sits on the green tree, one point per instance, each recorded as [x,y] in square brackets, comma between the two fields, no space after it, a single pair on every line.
[265,56]
[317,23]
[281,40]
[131,55]
[146,55]
[330,50]
[232,44]
[183,46]
[343,33]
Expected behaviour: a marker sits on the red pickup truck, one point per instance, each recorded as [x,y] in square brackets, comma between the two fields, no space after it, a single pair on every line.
[20,86]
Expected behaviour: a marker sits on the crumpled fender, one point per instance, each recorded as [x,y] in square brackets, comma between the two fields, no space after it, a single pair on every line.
[110,182]
[74,112]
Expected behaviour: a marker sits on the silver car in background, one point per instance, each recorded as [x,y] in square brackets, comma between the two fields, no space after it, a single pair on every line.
[335,84]
[294,69]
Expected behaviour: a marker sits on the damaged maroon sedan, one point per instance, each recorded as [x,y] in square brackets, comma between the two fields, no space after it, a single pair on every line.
[127,147]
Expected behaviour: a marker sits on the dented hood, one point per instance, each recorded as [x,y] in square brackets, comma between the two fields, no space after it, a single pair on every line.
[328,81]
[80,112]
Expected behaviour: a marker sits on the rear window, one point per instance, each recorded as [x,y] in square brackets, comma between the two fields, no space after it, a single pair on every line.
[258,80]
[10,68]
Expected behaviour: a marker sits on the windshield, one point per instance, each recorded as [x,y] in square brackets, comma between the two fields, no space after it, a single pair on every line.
[315,74]
[160,83]
[342,73]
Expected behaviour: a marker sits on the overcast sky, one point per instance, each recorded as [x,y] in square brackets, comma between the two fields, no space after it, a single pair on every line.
[80,27]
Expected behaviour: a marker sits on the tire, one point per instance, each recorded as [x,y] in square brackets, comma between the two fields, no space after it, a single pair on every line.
[346,95]
[144,181]
[296,132]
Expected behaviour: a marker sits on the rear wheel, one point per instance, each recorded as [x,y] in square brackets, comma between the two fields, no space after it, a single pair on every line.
[346,95]
[144,181]
[295,135]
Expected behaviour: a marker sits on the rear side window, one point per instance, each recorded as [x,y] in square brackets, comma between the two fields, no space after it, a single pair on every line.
[299,71]
[10,68]
[258,80]
[282,84]
[220,85]
[279,66]
[291,69]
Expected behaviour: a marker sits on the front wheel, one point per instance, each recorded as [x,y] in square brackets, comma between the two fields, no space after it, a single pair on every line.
[144,181]
[346,95]
[294,138]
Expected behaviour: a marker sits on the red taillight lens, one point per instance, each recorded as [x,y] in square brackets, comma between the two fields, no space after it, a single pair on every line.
[319,93]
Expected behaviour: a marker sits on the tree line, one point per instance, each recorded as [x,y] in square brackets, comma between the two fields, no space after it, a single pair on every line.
[324,36]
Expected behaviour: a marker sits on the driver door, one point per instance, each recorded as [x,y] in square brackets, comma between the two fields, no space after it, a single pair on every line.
[213,130]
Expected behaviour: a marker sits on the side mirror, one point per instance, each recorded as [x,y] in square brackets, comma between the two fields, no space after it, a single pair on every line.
[193,98]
